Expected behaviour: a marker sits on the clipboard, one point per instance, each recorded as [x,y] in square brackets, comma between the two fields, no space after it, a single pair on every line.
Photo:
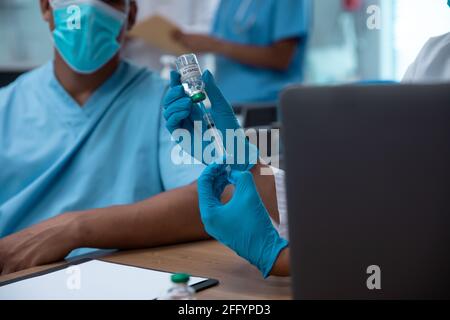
[158,32]
[16,289]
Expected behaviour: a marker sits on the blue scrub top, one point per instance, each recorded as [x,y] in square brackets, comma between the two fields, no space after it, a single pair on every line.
[260,23]
[56,157]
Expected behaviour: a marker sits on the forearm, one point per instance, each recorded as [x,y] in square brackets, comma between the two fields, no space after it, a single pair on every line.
[277,57]
[168,218]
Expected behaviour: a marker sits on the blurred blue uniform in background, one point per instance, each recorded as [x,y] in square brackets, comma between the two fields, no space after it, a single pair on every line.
[260,23]
[57,157]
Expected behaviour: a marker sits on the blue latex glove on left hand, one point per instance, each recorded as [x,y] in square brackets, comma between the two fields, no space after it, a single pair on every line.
[181,113]
[243,224]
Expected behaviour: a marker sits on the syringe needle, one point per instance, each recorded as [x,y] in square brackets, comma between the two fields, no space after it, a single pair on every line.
[218,141]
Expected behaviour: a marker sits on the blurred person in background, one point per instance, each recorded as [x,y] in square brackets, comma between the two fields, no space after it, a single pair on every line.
[259,46]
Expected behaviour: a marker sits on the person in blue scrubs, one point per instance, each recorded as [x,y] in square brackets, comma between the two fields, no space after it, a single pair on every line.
[86,159]
[83,132]
[260,47]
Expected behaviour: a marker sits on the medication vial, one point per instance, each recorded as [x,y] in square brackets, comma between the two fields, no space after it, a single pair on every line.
[191,77]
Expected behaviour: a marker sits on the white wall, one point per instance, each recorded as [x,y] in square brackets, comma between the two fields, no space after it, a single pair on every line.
[25,38]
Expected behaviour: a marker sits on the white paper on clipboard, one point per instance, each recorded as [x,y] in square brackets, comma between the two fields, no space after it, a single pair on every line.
[93,280]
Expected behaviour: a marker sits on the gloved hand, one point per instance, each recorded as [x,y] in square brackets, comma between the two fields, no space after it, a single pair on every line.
[181,113]
[243,224]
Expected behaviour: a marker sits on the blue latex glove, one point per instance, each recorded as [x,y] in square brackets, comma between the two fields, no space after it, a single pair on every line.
[181,113]
[243,224]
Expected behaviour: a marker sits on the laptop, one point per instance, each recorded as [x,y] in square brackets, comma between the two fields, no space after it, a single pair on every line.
[368,189]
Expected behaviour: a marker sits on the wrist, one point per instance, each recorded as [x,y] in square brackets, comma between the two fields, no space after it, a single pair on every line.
[73,222]
[281,267]
[271,254]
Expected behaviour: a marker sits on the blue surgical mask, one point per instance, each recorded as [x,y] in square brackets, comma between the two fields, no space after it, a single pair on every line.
[86,33]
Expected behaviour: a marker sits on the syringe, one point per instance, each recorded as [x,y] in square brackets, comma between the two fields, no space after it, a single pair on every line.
[218,141]
[191,79]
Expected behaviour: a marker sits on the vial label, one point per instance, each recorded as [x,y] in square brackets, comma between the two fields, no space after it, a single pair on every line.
[190,72]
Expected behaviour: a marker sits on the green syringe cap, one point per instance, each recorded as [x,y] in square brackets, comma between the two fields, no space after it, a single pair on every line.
[198,97]
[180,278]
